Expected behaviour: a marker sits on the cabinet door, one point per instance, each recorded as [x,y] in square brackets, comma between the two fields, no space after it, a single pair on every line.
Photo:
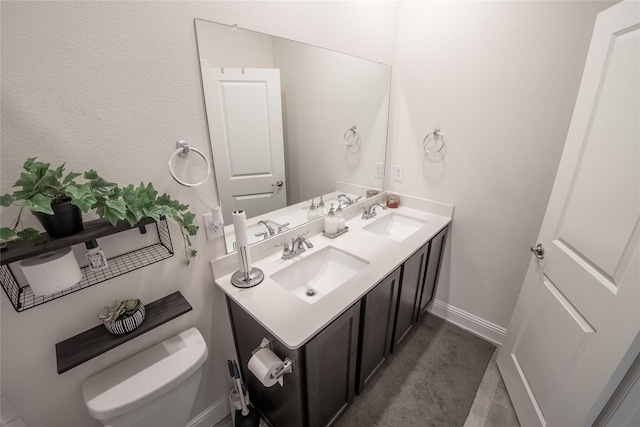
[376,327]
[412,277]
[432,272]
[331,369]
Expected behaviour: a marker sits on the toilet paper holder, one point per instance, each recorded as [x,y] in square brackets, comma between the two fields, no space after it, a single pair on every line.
[287,364]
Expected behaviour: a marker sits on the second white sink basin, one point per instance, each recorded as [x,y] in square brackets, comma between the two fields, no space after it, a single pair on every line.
[319,273]
[394,226]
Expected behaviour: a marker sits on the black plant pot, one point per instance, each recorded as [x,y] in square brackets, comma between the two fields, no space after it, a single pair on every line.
[65,221]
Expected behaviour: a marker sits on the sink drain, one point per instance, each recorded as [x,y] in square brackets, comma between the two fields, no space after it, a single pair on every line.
[311,293]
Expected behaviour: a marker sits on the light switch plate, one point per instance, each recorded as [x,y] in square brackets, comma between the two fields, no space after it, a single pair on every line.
[379,170]
[398,173]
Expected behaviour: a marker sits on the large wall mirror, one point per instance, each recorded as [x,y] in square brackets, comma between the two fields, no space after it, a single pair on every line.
[289,123]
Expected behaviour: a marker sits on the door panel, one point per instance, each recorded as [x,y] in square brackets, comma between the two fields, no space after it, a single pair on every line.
[540,334]
[248,147]
[579,309]
[434,261]
[378,310]
[609,212]
[412,276]
[331,369]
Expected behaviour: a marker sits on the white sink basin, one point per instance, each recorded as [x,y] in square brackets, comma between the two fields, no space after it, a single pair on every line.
[394,226]
[319,273]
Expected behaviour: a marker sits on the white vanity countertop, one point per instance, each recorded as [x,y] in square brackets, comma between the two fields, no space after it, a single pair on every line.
[294,321]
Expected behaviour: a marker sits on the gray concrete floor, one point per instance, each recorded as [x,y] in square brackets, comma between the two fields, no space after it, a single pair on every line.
[491,406]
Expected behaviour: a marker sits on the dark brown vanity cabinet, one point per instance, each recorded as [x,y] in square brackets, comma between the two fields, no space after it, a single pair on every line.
[322,384]
[376,327]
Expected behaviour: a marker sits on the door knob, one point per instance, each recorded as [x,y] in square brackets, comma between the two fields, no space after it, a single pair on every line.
[275,188]
[538,250]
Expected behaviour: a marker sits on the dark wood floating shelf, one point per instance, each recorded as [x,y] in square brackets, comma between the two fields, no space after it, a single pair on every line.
[89,344]
[20,249]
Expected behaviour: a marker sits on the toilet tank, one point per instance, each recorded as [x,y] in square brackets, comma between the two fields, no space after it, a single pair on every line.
[139,387]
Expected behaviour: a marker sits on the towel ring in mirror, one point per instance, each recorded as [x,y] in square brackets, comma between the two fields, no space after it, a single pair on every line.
[183,151]
[437,136]
[352,138]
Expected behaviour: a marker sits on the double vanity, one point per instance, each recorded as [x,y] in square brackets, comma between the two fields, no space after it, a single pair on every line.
[338,309]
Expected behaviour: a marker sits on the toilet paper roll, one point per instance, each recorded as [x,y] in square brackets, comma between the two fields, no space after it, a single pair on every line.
[52,271]
[242,240]
[262,364]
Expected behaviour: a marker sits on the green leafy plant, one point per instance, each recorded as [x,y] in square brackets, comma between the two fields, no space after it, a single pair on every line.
[42,187]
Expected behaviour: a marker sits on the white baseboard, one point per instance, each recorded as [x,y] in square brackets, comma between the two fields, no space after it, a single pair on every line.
[212,415]
[474,324]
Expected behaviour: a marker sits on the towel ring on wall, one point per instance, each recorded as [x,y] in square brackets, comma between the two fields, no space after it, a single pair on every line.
[351,137]
[183,151]
[436,136]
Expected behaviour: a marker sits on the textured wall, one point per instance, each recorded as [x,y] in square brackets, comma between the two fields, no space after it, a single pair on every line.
[112,86]
[500,79]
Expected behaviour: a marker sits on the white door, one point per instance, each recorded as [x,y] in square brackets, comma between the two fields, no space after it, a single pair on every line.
[579,309]
[244,110]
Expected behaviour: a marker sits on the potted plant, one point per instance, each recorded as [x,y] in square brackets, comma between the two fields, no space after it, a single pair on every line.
[48,192]
[122,317]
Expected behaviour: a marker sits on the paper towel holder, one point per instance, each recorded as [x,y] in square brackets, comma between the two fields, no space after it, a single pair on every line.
[287,364]
[248,278]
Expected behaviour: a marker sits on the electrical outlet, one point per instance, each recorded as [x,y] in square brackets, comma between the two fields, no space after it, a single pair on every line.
[379,170]
[398,173]
[213,224]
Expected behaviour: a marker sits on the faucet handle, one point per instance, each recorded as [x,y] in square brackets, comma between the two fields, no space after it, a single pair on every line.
[280,227]
[287,253]
[300,235]
[264,234]
[284,243]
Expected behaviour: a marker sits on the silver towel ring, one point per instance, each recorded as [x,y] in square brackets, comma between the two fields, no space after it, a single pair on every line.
[183,151]
[436,136]
[351,137]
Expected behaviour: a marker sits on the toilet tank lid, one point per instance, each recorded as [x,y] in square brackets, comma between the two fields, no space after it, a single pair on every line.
[145,376]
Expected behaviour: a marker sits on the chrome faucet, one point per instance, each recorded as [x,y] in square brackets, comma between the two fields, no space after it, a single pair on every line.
[369,211]
[349,200]
[269,228]
[297,246]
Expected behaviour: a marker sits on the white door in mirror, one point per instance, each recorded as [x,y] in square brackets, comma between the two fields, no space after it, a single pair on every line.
[244,109]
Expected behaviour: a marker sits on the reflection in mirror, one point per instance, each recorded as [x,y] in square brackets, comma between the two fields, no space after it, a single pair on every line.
[289,123]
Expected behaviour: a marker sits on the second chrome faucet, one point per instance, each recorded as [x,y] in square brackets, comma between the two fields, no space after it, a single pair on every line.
[369,211]
[297,246]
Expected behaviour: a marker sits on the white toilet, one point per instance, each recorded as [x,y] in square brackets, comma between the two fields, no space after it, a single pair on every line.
[154,388]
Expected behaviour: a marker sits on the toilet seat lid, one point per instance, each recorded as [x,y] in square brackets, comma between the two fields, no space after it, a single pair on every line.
[145,376]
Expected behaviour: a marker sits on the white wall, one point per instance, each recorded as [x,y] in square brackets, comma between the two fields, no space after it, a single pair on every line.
[500,80]
[112,86]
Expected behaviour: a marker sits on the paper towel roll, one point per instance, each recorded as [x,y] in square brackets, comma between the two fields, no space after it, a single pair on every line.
[263,363]
[242,239]
[51,272]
